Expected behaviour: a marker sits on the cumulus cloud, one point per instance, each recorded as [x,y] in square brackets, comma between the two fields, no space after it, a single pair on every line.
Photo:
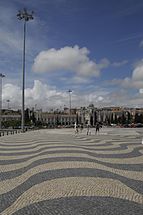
[45,96]
[40,94]
[11,92]
[136,79]
[73,59]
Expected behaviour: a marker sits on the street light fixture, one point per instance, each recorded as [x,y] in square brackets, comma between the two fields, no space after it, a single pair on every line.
[1,77]
[24,15]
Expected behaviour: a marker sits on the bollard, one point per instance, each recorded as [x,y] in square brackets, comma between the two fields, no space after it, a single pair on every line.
[3,133]
[7,132]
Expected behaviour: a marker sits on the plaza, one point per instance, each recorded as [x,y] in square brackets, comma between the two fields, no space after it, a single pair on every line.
[58,172]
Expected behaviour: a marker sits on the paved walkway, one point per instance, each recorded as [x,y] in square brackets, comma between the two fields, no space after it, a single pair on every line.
[55,172]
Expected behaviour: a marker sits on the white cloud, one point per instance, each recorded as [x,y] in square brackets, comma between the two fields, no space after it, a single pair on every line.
[73,59]
[135,81]
[137,74]
[141,44]
[13,93]
[41,94]
[79,80]
[127,83]
[100,98]
[45,96]
[119,64]
[104,63]
[141,91]
[11,32]
[10,40]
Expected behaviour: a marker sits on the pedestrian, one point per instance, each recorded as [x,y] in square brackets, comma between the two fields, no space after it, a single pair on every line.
[88,130]
[81,128]
[97,127]
[76,128]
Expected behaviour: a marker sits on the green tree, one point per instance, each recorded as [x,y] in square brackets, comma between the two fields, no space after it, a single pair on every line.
[112,119]
[116,119]
[123,119]
[33,118]
[27,117]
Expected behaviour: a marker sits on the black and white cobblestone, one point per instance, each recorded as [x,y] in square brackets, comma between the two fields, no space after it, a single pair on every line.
[57,172]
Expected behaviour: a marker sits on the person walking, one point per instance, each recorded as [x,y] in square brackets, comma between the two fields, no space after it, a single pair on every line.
[88,130]
[81,128]
[97,127]
[76,128]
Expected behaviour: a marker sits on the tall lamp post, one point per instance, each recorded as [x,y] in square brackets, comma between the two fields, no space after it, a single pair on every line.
[24,15]
[1,77]
[69,91]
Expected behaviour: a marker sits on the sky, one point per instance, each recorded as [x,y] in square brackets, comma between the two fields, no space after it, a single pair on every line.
[92,47]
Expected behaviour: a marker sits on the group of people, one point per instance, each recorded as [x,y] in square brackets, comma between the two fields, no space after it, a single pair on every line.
[97,128]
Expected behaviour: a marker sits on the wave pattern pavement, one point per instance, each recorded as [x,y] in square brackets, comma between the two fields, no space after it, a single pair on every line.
[57,172]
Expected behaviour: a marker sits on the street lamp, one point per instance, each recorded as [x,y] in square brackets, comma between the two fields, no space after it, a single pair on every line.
[69,91]
[1,77]
[26,17]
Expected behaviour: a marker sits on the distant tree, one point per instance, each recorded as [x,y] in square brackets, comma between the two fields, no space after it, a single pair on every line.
[27,117]
[128,117]
[39,124]
[112,118]
[120,120]
[77,120]
[109,120]
[91,120]
[141,118]
[11,123]
[33,118]
[116,119]
[95,117]
[123,119]
[57,120]
[138,118]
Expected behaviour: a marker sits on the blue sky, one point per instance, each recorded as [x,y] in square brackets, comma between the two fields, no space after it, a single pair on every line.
[93,47]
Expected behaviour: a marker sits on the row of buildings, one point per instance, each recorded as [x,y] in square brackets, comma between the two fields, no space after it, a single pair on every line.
[91,115]
[84,115]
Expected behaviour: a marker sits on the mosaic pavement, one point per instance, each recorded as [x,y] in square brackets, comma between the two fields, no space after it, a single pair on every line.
[55,172]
